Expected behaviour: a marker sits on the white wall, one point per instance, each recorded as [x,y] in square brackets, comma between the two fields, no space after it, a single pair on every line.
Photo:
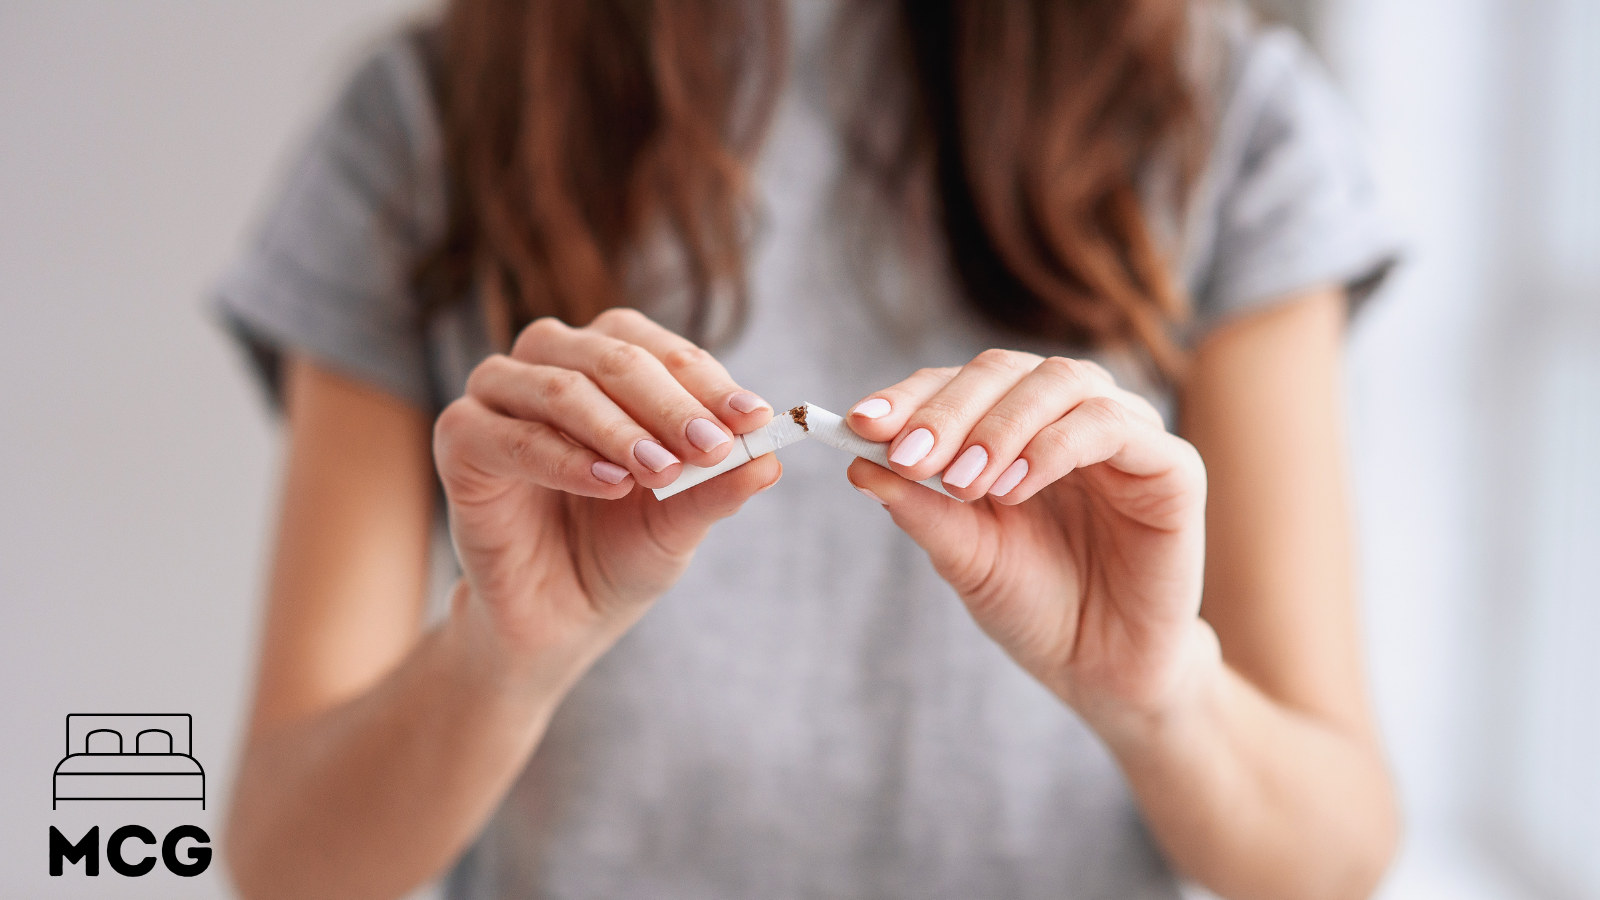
[136,462]
[1476,399]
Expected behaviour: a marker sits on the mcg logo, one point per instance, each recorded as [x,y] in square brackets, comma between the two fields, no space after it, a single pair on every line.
[129,757]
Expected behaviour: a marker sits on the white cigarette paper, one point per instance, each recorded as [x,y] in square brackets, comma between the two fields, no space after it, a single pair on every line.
[780,432]
[792,427]
[828,428]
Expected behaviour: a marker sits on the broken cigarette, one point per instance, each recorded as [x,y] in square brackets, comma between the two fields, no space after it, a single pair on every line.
[805,420]
[780,432]
[830,429]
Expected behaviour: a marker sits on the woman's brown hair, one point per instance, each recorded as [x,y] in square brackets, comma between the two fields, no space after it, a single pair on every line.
[577,131]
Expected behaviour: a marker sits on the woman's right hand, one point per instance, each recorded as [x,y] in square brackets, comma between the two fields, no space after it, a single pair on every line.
[545,462]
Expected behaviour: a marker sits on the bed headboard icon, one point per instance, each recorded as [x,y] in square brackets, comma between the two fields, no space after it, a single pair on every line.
[128,734]
[129,757]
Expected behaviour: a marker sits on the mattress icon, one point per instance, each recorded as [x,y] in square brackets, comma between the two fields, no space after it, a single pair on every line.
[128,757]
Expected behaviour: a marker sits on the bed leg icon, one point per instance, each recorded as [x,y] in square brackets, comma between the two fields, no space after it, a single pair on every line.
[128,757]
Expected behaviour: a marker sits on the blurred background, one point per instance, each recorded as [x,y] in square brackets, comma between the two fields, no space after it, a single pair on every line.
[138,464]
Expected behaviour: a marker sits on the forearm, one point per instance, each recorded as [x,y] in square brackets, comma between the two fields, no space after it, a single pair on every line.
[375,796]
[1254,799]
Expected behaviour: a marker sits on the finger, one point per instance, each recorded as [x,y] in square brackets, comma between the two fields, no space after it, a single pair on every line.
[950,532]
[937,429]
[677,525]
[992,444]
[474,443]
[1170,476]
[722,496]
[696,369]
[880,415]
[636,381]
[569,402]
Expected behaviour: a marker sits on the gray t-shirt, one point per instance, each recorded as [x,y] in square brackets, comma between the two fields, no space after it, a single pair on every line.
[810,712]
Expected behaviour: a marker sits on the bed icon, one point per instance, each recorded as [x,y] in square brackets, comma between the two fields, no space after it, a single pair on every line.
[126,757]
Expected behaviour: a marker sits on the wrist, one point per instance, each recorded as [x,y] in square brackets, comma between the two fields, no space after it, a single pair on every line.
[1185,701]
[491,664]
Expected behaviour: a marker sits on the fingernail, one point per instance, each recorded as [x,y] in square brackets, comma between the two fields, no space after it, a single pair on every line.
[911,450]
[610,473]
[746,402]
[704,435]
[871,494]
[1010,478]
[872,408]
[652,455]
[966,467]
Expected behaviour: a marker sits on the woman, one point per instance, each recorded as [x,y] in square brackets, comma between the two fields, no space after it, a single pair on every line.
[495,272]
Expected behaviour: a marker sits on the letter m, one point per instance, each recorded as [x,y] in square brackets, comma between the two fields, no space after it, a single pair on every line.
[87,849]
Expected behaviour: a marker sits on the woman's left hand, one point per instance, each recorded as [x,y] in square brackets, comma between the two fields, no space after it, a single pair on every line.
[1081,547]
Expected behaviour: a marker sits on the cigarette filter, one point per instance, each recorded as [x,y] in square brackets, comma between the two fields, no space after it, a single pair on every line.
[780,432]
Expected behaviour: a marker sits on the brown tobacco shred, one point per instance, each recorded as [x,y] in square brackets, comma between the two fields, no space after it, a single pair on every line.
[798,414]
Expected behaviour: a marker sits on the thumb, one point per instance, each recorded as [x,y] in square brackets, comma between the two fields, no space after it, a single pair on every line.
[683,520]
[952,532]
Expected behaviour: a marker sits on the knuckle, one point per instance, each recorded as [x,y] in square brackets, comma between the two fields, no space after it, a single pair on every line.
[618,437]
[1106,412]
[483,374]
[557,468]
[686,358]
[1052,443]
[933,373]
[679,411]
[451,422]
[937,414]
[1062,367]
[557,386]
[620,361]
[617,315]
[537,334]
[1000,429]
[998,360]
[1071,374]
[525,451]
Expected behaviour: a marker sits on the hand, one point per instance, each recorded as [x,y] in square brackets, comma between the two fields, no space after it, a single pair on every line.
[545,461]
[1081,548]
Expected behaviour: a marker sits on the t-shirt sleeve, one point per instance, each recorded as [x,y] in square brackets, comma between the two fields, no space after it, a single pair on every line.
[328,272]
[1294,204]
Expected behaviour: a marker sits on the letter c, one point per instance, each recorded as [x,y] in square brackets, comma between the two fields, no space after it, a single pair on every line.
[114,851]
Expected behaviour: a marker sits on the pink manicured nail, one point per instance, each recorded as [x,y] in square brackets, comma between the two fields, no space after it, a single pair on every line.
[1010,478]
[652,455]
[872,408]
[871,494]
[911,450]
[746,402]
[704,435]
[968,465]
[610,473]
